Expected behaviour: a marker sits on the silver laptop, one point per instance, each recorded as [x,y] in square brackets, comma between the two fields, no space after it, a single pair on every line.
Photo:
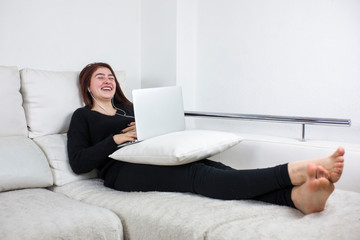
[157,111]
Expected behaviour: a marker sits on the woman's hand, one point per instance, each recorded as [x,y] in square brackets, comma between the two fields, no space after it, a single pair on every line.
[127,135]
[131,127]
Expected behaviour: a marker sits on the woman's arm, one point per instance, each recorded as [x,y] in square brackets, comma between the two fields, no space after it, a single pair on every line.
[84,157]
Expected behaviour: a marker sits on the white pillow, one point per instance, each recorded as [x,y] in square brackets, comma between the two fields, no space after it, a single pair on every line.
[12,114]
[50,98]
[54,147]
[177,148]
[23,164]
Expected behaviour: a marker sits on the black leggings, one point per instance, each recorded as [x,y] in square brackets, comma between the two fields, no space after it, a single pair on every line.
[207,178]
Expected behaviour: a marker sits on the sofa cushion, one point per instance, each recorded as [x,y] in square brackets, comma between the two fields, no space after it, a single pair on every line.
[23,164]
[339,220]
[13,120]
[42,214]
[54,147]
[50,98]
[164,215]
[177,148]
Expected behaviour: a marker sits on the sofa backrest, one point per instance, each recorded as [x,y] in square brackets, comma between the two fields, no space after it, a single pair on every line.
[12,121]
[23,164]
[37,105]
[50,98]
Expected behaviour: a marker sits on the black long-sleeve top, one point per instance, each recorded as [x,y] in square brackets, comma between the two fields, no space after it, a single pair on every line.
[90,139]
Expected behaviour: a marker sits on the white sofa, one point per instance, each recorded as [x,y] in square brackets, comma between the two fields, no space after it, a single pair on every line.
[41,198]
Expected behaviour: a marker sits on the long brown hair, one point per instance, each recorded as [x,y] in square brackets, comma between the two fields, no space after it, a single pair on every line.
[85,77]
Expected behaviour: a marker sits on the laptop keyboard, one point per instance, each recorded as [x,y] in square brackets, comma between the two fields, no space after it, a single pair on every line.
[128,143]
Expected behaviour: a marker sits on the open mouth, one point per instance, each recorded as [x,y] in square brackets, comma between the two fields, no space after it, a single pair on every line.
[108,88]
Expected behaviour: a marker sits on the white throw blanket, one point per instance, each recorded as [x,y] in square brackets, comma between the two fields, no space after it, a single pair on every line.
[159,215]
[42,214]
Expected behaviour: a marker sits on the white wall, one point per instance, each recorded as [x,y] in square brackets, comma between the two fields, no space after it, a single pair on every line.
[274,57]
[279,57]
[158,43]
[67,35]
[168,46]
[186,52]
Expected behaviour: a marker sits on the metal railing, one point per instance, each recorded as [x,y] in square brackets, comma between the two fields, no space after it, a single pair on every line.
[287,119]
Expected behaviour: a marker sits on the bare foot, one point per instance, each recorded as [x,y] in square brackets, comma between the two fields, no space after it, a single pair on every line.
[311,196]
[333,164]
[322,172]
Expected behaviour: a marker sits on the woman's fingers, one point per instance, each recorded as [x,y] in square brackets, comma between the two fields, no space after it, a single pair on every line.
[126,130]
[125,137]
[131,134]
[131,127]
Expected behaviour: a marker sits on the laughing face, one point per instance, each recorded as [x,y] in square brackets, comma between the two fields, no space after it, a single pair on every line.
[102,84]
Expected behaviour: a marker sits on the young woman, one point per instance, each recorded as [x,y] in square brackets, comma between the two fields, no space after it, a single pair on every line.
[107,121]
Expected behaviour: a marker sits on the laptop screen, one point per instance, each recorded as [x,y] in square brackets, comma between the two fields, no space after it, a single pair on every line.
[158,111]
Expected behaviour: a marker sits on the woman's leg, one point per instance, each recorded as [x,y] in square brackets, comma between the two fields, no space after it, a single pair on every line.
[143,177]
[200,178]
[167,177]
[330,167]
[218,165]
[279,197]
[274,185]
[309,197]
[239,184]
